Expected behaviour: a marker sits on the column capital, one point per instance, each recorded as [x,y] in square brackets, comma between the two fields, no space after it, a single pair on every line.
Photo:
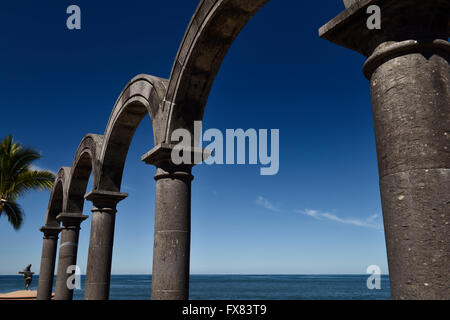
[161,157]
[105,201]
[71,220]
[50,231]
[401,20]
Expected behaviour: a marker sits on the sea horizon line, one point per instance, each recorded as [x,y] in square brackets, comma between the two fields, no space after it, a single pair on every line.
[234,274]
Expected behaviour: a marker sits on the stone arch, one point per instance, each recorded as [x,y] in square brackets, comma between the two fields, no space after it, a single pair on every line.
[58,197]
[211,32]
[142,95]
[85,162]
[177,103]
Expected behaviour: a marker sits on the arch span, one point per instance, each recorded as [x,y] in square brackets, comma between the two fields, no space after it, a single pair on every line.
[58,197]
[103,157]
[51,230]
[177,103]
[211,32]
[143,94]
[85,162]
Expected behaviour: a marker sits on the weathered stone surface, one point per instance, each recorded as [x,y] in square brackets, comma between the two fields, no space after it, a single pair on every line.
[101,241]
[104,157]
[67,252]
[411,108]
[211,32]
[74,188]
[143,95]
[416,208]
[48,260]
[86,161]
[349,3]
[409,73]
[411,101]
[51,231]
[171,252]
[408,68]
[400,20]
[58,197]
[160,156]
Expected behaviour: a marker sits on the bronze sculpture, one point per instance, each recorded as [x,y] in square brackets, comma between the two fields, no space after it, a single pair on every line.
[27,276]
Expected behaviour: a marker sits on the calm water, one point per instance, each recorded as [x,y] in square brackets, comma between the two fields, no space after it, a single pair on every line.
[239,287]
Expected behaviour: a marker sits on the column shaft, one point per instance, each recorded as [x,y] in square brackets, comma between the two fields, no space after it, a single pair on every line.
[171,252]
[98,271]
[67,254]
[170,276]
[408,68]
[48,260]
[411,107]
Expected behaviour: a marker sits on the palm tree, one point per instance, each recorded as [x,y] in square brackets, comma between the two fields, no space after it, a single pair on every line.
[17,176]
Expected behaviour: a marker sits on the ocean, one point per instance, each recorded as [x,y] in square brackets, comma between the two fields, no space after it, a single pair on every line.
[238,287]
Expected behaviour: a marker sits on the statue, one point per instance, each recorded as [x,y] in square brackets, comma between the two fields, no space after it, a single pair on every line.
[27,276]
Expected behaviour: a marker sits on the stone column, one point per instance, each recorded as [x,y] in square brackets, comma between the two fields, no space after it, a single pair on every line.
[409,74]
[67,252]
[171,252]
[47,269]
[98,271]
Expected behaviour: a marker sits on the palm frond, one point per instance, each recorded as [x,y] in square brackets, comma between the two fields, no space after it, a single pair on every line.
[6,144]
[22,159]
[33,180]
[14,213]
[17,177]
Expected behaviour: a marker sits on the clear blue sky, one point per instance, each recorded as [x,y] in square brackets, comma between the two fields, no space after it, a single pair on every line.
[320,214]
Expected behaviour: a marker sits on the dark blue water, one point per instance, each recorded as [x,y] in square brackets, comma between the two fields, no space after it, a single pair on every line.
[239,287]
